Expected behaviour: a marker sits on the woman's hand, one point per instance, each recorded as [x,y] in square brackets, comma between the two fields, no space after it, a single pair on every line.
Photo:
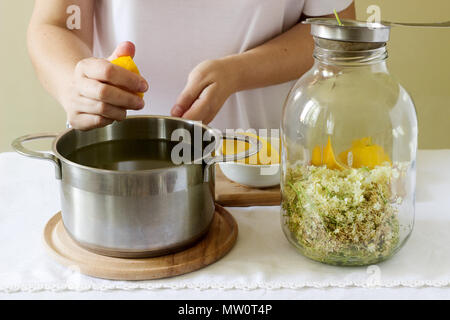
[208,87]
[101,92]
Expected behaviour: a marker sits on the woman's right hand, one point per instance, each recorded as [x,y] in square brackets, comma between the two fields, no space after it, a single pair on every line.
[102,92]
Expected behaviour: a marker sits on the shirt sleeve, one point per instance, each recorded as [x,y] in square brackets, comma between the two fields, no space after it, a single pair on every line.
[315,8]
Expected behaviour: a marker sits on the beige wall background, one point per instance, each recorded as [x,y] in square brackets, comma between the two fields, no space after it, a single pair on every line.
[419,58]
[24,106]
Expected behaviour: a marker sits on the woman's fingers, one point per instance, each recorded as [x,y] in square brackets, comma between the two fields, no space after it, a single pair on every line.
[91,114]
[208,87]
[104,71]
[107,93]
[86,121]
[102,109]
[101,92]
[125,48]
[189,95]
[204,108]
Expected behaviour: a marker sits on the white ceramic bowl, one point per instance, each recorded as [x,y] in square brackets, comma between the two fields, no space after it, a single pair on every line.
[259,176]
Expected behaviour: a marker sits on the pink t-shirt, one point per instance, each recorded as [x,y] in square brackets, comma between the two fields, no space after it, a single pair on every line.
[173,36]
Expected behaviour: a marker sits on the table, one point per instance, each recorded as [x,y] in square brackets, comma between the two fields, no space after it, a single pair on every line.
[15,171]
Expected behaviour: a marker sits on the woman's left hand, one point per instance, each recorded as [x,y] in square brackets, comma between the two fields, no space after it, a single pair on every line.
[208,87]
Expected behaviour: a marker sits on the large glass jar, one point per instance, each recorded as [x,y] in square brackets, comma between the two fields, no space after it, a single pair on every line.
[349,142]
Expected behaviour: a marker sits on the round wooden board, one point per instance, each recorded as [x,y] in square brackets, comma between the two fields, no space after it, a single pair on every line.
[219,240]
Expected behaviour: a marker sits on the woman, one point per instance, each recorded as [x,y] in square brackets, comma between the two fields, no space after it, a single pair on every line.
[204,59]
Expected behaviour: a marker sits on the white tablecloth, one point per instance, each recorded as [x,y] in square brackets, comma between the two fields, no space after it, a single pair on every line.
[262,264]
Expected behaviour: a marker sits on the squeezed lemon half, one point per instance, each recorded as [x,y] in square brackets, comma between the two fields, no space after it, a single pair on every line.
[128,63]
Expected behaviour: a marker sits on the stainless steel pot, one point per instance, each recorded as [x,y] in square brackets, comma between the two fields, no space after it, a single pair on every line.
[119,209]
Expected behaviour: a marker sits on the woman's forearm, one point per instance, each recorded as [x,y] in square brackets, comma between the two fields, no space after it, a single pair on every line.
[92,91]
[53,47]
[279,60]
[210,83]
[55,63]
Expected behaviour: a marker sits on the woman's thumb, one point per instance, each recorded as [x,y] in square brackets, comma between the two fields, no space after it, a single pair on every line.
[125,48]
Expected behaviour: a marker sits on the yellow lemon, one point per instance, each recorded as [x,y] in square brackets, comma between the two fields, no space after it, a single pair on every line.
[365,154]
[128,63]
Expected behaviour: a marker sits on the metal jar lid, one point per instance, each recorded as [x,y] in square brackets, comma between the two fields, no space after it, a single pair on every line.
[350,30]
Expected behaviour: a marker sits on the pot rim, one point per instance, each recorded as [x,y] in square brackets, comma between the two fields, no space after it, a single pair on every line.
[131,172]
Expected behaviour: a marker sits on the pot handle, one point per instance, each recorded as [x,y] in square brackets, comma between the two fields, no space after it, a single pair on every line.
[18,146]
[255,146]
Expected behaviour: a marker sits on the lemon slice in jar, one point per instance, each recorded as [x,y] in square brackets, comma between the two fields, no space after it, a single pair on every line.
[329,159]
[326,157]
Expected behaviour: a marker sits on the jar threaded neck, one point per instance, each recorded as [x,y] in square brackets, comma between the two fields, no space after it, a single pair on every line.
[349,53]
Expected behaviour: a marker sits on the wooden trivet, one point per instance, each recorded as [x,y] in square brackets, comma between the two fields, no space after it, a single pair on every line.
[219,240]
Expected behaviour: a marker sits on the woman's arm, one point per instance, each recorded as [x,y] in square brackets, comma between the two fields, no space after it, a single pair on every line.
[91,90]
[281,59]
